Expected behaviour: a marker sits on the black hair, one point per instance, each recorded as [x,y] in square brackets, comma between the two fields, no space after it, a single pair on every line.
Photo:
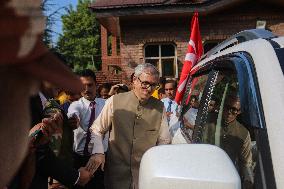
[132,77]
[87,73]
[214,98]
[162,80]
[161,90]
[193,97]
[123,88]
[104,86]
[171,81]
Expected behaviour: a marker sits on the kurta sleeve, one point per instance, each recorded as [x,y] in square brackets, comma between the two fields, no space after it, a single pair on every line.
[246,154]
[164,133]
[74,109]
[101,126]
[246,160]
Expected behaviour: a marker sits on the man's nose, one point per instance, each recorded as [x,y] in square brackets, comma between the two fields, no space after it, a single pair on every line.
[86,88]
[149,89]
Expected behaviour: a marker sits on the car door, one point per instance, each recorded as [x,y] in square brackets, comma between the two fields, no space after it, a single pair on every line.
[226,89]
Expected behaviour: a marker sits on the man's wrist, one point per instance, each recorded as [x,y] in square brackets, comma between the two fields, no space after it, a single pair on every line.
[78,178]
[99,153]
[98,150]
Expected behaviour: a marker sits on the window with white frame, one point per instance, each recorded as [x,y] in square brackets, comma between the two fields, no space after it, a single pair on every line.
[164,57]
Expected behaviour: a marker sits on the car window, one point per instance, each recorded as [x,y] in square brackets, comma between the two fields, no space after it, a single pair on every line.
[230,115]
[221,126]
[226,85]
[191,103]
[215,89]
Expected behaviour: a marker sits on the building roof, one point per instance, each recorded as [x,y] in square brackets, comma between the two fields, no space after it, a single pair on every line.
[111,13]
[107,4]
[125,3]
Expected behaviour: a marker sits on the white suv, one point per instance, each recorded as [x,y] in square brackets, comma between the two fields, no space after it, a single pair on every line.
[249,66]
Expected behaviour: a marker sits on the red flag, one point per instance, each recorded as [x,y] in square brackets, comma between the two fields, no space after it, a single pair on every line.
[194,52]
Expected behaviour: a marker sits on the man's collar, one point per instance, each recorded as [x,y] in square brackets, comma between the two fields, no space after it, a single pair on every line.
[87,102]
[140,102]
[233,123]
[167,99]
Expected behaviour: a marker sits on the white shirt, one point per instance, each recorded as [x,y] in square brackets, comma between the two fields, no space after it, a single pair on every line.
[82,110]
[190,115]
[174,122]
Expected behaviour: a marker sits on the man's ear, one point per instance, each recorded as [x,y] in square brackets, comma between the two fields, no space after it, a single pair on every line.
[134,78]
[239,112]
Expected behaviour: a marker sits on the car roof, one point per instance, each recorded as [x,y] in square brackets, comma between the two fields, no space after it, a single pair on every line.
[240,37]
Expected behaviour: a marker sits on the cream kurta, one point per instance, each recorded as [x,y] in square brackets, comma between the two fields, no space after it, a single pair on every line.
[134,128]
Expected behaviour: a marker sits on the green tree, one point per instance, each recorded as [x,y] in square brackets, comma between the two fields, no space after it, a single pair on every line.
[80,42]
[52,16]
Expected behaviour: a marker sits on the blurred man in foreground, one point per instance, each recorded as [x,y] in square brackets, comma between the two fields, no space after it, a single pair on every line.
[24,60]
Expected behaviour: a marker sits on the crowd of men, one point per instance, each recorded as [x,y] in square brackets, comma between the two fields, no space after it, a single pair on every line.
[96,102]
[66,138]
[85,139]
[94,139]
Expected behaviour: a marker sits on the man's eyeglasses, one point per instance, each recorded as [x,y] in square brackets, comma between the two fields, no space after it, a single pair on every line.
[232,109]
[146,84]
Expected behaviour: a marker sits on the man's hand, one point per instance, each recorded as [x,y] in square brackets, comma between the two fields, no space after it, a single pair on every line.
[187,124]
[53,124]
[95,162]
[48,126]
[85,176]
[169,114]
[113,90]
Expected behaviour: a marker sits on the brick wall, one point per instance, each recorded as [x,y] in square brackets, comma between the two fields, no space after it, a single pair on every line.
[219,26]
[105,75]
[134,37]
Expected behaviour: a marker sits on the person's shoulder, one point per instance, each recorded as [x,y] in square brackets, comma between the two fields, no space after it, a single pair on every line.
[100,101]
[156,102]
[175,103]
[77,103]
[164,100]
[241,126]
[242,129]
[123,94]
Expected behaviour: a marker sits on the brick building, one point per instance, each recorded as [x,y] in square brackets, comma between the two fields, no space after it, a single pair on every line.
[157,31]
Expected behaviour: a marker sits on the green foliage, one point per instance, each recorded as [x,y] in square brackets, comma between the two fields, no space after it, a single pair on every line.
[46,5]
[52,15]
[80,42]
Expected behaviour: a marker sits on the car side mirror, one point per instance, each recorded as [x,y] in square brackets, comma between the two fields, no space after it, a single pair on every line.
[183,166]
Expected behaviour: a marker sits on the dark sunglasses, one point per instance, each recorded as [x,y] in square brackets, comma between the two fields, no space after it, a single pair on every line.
[232,109]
